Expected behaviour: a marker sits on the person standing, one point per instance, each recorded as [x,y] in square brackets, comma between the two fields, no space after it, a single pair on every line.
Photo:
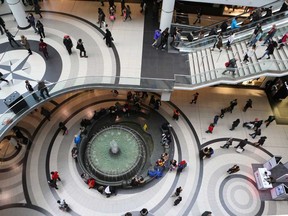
[31,90]
[195,98]
[11,38]
[80,46]
[2,25]
[31,20]
[282,41]
[233,169]
[269,120]
[235,124]
[55,176]
[260,142]
[108,37]
[242,144]
[68,43]
[43,88]
[43,48]
[25,44]
[224,26]
[177,201]
[164,39]
[215,120]
[40,28]
[247,105]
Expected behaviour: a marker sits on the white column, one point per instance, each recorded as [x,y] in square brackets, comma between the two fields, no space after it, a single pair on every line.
[18,12]
[166,14]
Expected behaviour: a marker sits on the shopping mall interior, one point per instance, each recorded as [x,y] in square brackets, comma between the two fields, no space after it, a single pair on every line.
[115,132]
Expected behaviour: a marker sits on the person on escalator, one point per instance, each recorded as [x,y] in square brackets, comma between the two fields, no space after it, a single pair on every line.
[231,66]
[268,12]
[224,26]
[250,52]
[234,24]
[270,34]
[230,40]
[269,51]
[283,41]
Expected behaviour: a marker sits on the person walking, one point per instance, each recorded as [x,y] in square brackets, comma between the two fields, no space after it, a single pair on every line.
[228,143]
[127,13]
[11,38]
[31,20]
[270,34]
[43,88]
[68,43]
[270,119]
[235,124]
[43,48]
[242,144]
[256,133]
[215,120]
[177,201]
[2,79]
[233,169]
[101,18]
[2,25]
[122,6]
[198,18]
[218,42]
[210,128]
[260,142]
[25,44]
[250,52]
[37,9]
[108,37]
[269,51]
[31,90]
[247,105]
[195,98]
[163,39]
[177,192]
[156,37]
[282,41]
[231,66]
[46,113]
[233,103]
[80,46]
[40,29]
[55,176]
[63,128]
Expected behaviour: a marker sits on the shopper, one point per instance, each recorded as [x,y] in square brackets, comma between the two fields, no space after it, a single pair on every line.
[46,113]
[242,144]
[260,142]
[215,120]
[210,128]
[68,43]
[270,119]
[230,40]
[233,169]
[25,44]
[177,192]
[11,38]
[177,201]
[228,143]
[80,46]
[31,20]
[218,42]
[194,100]
[63,128]
[250,52]
[270,34]
[234,24]
[270,50]
[43,88]
[256,133]
[31,90]
[108,37]
[247,105]
[40,29]
[231,66]
[235,124]
[43,48]
[176,114]
[199,14]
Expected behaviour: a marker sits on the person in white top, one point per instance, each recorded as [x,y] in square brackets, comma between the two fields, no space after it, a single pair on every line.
[250,52]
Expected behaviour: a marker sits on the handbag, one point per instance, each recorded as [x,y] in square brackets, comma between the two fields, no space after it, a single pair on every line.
[78,46]
[239,150]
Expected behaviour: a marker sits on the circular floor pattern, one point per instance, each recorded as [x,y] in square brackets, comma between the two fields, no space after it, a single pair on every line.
[240,198]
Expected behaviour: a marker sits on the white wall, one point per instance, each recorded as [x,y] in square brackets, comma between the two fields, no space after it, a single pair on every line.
[252,3]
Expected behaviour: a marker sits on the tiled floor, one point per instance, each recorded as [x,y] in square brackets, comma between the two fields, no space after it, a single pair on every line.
[207,186]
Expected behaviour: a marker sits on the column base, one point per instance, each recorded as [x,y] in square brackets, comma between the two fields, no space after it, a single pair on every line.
[23,28]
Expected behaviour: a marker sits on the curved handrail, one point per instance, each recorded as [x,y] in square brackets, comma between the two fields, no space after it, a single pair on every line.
[209,27]
[9,118]
[246,30]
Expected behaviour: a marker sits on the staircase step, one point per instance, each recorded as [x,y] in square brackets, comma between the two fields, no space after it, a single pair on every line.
[192,69]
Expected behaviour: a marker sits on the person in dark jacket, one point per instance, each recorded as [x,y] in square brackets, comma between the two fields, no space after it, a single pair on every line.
[37,9]
[269,51]
[199,14]
[80,46]
[260,142]
[269,120]
[256,133]
[164,39]
[231,67]
[68,43]
[224,26]
[31,20]
[40,29]
[42,87]
[247,105]
[11,38]
[235,124]
[270,34]
[108,37]
[242,144]
[46,113]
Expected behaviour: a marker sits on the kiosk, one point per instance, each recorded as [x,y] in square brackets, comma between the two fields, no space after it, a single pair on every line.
[280,192]
[262,176]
